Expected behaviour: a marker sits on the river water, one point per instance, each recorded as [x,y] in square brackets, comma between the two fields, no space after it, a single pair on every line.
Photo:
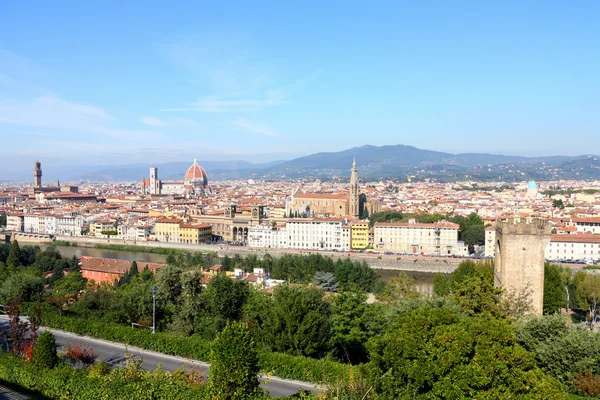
[423,280]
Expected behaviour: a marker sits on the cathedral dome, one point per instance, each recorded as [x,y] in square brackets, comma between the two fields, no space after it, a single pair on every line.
[532,185]
[195,174]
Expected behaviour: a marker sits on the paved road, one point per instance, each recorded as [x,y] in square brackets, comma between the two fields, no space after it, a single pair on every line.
[114,354]
[9,394]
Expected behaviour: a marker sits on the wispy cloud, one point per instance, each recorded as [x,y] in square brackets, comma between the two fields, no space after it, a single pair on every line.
[51,112]
[273,97]
[150,121]
[252,126]
[177,121]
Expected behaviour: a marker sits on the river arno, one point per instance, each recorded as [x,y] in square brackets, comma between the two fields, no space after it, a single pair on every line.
[423,280]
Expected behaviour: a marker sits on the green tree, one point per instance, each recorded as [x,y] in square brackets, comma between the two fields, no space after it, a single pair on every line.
[353,323]
[130,274]
[71,284]
[297,321]
[558,203]
[14,257]
[478,296]
[2,220]
[433,353]
[135,302]
[146,275]
[365,213]
[22,286]
[474,235]
[554,289]
[234,365]
[561,351]
[326,281]
[190,307]
[441,285]
[397,289]
[225,299]
[44,351]
[169,282]
[588,295]
[385,216]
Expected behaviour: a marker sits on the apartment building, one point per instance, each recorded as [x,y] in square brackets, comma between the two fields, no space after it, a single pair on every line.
[573,247]
[416,238]
[317,234]
[167,230]
[15,222]
[359,235]
[268,236]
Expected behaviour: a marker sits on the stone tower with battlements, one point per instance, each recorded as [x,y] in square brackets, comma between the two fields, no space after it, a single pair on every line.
[354,201]
[519,258]
[37,174]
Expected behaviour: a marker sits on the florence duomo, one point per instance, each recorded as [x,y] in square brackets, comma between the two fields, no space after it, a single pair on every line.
[194,184]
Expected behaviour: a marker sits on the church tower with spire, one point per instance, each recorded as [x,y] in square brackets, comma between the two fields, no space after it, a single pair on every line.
[354,203]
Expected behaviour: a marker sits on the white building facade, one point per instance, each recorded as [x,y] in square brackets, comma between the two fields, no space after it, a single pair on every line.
[317,234]
[267,236]
[440,238]
[584,247]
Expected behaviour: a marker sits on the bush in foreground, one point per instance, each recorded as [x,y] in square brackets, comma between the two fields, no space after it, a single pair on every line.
[44,351]
[234,364]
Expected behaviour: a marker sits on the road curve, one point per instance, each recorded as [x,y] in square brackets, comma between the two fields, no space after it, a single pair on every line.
[114,354]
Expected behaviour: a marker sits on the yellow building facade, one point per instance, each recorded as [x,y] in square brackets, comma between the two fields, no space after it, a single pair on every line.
[167,230]
[359,235]
[195,233]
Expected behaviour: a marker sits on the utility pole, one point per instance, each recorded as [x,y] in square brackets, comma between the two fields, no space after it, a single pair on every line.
[154,290]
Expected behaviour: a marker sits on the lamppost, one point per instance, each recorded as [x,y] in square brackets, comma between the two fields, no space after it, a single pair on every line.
[154,290]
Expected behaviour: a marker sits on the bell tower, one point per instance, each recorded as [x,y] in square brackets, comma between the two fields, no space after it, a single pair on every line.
[354,201]
[37,174]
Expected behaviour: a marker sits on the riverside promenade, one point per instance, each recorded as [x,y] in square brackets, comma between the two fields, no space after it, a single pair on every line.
[376,261]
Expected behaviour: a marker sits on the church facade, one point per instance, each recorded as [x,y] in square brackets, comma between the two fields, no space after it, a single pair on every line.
[351,204]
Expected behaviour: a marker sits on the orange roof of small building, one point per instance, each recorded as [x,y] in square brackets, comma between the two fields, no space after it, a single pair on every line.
[168,221]
[336,196]
[113,265]
[583,238]
[447,225]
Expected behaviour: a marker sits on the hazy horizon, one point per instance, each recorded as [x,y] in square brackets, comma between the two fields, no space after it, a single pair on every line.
[114,83]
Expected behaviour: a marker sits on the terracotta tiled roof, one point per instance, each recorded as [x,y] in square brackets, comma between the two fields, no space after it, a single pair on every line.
[447,225]
[586,238]
[114,266]
[321,196]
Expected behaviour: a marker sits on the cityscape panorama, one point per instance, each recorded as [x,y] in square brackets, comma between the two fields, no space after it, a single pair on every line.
[320,201]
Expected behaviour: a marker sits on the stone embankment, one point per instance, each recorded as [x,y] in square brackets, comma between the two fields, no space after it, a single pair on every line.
[378,261]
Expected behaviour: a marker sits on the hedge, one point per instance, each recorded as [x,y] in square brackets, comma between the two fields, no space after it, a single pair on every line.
[143,249]
[64,382]
[278,364]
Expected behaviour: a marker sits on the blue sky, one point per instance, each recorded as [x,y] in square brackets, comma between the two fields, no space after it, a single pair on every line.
[118,82]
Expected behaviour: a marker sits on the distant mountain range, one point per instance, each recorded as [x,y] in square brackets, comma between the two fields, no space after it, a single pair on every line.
[401,161]
[374,163]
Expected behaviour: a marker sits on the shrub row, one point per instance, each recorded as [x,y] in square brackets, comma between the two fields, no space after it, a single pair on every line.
[167,343]
[64,382]
[62,243]
[278,364]
[141,249]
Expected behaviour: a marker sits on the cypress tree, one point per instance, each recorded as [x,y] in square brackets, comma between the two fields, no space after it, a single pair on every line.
[14,256]
[44,351]
[133,271]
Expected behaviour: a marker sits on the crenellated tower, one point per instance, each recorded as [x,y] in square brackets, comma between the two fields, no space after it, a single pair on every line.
[519,258]
[37,174]
[354,203]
